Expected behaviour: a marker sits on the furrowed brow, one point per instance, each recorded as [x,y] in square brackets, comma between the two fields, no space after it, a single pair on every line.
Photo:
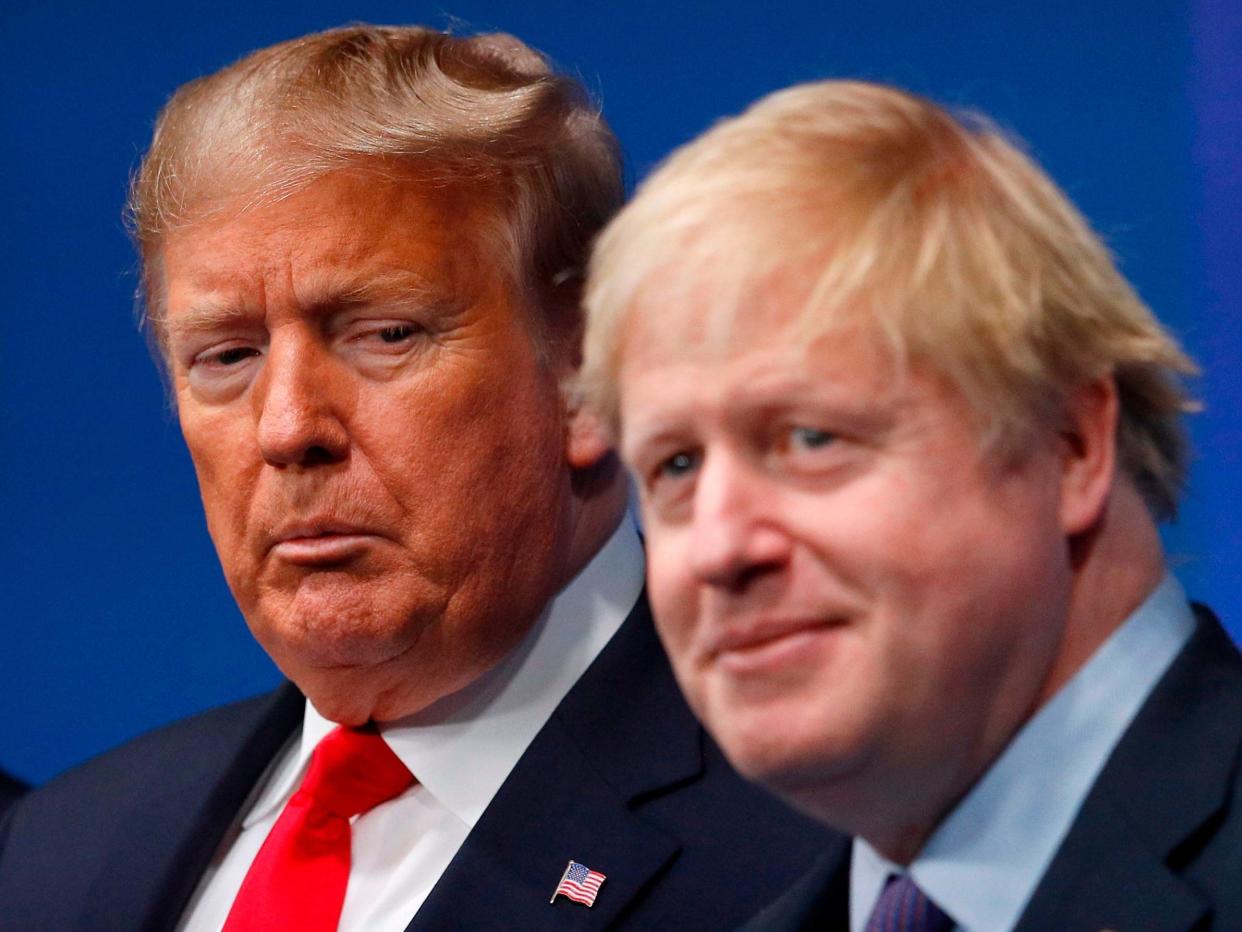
[401,292]
[208,316]
[398,285]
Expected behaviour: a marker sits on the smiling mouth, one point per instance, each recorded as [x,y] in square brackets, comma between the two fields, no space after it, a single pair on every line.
[770,647]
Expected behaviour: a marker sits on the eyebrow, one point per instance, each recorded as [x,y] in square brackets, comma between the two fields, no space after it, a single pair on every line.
[212,313]
[205,316]
[398,283]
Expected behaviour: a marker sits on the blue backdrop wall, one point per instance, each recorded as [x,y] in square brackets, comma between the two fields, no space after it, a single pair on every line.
[115,616]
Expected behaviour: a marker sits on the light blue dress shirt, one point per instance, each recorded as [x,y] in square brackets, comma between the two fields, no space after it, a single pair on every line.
[984,861]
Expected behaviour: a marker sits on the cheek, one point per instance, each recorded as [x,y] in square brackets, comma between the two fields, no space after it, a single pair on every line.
[955,580]
[865,541]
[672,590]
[474,471]
[224,472]
[900,529]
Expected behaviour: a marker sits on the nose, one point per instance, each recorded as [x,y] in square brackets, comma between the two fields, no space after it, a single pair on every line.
[299,422]
[738,534]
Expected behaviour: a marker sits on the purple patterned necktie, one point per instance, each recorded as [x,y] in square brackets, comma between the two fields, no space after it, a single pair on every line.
[903,907]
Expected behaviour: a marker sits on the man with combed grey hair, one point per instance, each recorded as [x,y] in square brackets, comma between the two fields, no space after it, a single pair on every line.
[362,257]
[902,435]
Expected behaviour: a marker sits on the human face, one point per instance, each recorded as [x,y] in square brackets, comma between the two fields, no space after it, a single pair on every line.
[860,605]
[379,448]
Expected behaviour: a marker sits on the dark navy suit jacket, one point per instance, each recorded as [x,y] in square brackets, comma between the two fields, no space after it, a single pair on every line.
[1157,845]
[621,778]
[10,789]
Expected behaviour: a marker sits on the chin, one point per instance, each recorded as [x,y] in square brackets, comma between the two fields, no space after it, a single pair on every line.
[786,755]
[352,711]
[769,759]
[339,645]
[759,747]
[316,631]
[384,692]
[356,695]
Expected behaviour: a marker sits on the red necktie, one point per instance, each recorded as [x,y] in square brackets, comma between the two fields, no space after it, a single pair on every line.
[298,878]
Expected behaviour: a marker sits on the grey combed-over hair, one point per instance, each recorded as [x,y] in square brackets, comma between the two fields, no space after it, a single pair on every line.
[483,110]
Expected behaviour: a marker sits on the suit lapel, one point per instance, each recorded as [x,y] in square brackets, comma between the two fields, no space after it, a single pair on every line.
[818,902]
[166,846]
[1117,867]
[554,807]
[621,736]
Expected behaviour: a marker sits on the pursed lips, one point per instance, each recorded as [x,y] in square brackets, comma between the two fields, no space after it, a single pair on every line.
[321,540]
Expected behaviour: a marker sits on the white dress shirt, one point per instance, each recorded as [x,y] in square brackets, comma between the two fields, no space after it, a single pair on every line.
[461,749]
[984,861]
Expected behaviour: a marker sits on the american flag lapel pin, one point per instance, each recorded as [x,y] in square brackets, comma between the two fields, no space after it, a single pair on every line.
[579,883]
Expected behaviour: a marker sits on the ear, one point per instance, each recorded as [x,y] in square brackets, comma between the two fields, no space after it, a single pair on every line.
[1089,455]
[587,437]
[587,440]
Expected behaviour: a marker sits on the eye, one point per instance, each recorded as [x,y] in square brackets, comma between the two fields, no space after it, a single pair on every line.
[382,338]
[222,371]
[666,486]
[810,438]
[677,465]
[396,333]
[798,450]
[224,356]
[233,355]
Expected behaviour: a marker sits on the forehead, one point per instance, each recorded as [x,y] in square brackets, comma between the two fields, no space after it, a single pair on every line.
[762,369]
[688,314]
[340,231]
[764,352]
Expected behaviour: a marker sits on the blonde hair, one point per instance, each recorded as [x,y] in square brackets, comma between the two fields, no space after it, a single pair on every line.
[935,231]
[484,110]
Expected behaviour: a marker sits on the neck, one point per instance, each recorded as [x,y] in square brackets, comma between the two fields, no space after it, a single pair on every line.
[601,497]
[1114,567]
[1117,565]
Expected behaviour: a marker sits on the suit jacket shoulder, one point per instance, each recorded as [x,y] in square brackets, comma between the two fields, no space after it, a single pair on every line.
[120,842]
[1158,842]
[818,902]
[11,789]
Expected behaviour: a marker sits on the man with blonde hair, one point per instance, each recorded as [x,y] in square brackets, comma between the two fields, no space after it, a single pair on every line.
[362,257]
[902,435]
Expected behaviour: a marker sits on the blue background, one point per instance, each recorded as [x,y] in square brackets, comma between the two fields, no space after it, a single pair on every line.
[115,615]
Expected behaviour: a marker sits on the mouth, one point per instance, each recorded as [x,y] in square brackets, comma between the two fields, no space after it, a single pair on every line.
[770,645]
[321,542]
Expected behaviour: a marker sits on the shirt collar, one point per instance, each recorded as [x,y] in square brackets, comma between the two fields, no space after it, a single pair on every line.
[462,748]
[984,861]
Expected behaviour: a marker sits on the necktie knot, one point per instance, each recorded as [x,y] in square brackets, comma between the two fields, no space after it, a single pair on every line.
[903,907]
[352,771]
